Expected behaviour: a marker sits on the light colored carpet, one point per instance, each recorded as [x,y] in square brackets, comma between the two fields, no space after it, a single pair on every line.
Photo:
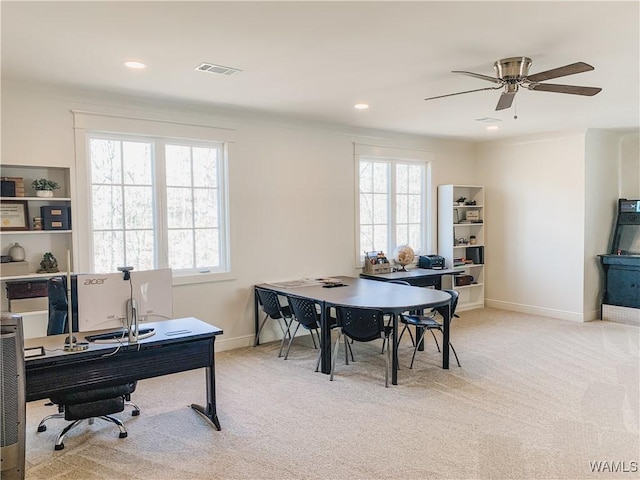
[536,398]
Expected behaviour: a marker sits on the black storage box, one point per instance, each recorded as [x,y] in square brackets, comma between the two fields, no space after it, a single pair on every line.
[8,188]
[463,280]
[55,218]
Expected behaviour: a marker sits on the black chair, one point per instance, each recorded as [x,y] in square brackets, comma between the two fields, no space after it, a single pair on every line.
[82,404]
[362,325]
[428,322]
[305,312]
[272,308]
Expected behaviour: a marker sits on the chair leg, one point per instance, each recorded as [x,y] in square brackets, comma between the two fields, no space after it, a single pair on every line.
[136,409]
[435,339]
[42,427]
[264,320]
[406,327]
[455,354]
[346,350]
[118,422]
[60,440]
[415,349]
[335,354]
[291,341]
[286,332]
[315,345]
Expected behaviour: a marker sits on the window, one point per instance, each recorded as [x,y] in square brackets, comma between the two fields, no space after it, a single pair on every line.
[392,204]
[157,203]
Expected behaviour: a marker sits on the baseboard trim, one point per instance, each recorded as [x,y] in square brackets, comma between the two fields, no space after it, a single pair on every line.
[533,310]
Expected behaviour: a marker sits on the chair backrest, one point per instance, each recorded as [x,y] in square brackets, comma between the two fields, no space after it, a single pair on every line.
[454,302]
[361,324]
[305,311]
[270,302]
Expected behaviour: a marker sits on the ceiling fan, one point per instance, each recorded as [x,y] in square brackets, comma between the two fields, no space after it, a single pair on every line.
[513,73]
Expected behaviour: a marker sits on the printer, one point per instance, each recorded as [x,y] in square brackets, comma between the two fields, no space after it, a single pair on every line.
[431,261]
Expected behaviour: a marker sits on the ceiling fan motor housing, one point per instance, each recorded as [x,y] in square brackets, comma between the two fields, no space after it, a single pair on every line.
[512,69]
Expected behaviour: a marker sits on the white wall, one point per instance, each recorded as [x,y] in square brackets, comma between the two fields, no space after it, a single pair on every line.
[291,188]
[605,163]
[629,165]
[535,190]
[551,204]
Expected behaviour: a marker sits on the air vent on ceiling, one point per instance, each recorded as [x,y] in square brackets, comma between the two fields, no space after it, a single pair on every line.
[217,69]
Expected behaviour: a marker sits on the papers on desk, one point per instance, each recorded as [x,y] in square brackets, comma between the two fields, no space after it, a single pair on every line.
[303,282]
[307,282]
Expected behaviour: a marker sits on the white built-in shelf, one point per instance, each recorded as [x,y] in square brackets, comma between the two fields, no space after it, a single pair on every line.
[31,276]
[36,199]
[33,232]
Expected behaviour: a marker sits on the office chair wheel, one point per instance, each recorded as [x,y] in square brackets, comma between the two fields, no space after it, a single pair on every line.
[135,413]
[123,434]
[59,446]
[42,428]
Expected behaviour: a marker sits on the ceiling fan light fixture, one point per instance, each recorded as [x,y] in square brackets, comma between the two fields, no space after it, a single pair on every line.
[513,72]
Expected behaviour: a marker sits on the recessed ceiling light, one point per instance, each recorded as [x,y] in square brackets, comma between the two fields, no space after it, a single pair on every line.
[493,127]
[361,106]
[134,64]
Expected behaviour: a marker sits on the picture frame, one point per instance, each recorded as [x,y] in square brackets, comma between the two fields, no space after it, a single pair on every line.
[14,215]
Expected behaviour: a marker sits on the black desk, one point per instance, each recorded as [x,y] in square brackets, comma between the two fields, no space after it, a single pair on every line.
[177,346]
[358,292]
[418,277]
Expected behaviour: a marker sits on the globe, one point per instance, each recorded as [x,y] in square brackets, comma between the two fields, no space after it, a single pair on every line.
[403,255]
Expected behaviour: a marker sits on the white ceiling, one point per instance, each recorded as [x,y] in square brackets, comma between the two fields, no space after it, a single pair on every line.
[315,60]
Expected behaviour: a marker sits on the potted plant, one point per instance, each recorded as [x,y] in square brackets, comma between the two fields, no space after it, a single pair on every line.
[44,187]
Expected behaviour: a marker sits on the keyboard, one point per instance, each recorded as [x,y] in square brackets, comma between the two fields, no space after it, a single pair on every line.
[118,335]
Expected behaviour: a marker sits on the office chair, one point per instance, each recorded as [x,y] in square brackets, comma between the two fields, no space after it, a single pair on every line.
[428,322]
[272,308]
[82,404]
[305,312]
[362,325]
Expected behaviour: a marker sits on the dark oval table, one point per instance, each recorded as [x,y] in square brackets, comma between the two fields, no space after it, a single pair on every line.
[391,298]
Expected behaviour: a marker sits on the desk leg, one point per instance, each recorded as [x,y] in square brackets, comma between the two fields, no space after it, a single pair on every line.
[445,337]
[394,353]
[256,318]
[210,410]
[325,340]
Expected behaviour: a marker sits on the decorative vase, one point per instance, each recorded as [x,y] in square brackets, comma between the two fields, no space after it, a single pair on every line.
[17,253]
[44,193]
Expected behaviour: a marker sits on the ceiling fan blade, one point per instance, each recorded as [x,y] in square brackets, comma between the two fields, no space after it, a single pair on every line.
[460,93]
[506,99]
[480,76]
[571,69]
[571,89]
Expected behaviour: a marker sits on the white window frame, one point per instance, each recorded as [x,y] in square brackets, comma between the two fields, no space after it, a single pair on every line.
[91,125]
[394,156]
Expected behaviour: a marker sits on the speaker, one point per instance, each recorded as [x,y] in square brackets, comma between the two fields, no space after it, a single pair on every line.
[13,407]
[475,254]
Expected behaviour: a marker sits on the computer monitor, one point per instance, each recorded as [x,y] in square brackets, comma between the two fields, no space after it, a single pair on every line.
[103,299]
